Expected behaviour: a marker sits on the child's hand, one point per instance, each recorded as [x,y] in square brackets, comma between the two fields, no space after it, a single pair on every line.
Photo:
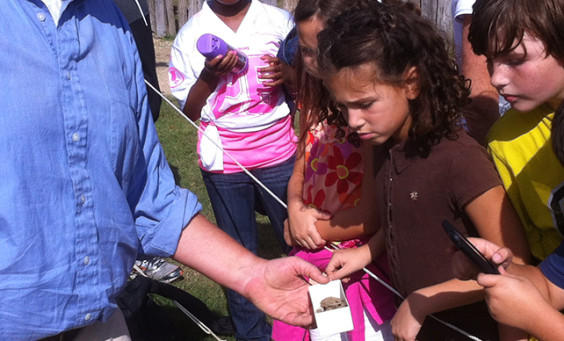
[407,322]
[465,269]
[272,72]
[301,226]
[221,65]
[507,295]
[347,261]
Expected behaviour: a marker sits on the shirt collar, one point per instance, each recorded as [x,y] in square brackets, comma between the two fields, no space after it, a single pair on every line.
[398,157]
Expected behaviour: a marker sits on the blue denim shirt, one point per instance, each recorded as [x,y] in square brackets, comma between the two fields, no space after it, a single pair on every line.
[84,182]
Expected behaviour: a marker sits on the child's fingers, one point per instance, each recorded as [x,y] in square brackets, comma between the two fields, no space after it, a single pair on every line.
[321,215]
[275,83]
[488,281]
[270,59]
[229,61]
[338,274]
[312,242]
[221,65]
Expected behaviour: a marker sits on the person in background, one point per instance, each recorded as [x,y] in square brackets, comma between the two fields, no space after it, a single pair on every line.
[136,13]
[86,186]
[243,111]
[524,296]
[325,190]
[486,105]
[390,73]
[523,44]
[526,62]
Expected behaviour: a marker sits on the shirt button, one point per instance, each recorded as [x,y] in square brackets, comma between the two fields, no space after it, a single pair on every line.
[41,17]
[82,199]
[75,137]
[88,317]
[68,76]
[86,260]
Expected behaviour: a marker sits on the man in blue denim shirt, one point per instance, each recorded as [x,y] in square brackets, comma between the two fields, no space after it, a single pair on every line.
[85,184]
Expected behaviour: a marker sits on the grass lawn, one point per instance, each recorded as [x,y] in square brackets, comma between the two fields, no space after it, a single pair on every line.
[178,138]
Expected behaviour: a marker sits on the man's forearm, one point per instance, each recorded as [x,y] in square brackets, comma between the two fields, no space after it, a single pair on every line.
[209,250]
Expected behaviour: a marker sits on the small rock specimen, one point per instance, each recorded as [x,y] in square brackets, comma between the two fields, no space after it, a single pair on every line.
[330,303]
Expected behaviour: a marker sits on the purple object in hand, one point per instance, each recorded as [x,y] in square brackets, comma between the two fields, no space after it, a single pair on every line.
[211,46]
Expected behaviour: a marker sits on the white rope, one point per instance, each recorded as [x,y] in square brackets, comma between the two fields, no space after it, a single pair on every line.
[142,14]
[389,287]
[197,322]
[219,147]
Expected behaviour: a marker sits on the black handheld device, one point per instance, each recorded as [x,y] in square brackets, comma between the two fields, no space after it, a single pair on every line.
[469,249]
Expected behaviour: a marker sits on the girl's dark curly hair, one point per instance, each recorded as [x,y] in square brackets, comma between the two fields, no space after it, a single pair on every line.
[394,39]
[315,101]
[498,27]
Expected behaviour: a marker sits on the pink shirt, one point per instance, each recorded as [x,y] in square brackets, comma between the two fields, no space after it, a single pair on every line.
[258,149]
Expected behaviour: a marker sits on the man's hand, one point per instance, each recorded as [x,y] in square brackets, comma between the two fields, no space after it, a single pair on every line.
[279,288]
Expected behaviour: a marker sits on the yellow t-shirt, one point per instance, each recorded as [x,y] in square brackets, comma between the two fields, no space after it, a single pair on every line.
[521,148]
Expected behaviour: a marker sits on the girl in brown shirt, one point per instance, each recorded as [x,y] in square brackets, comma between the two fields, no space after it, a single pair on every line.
[390,72]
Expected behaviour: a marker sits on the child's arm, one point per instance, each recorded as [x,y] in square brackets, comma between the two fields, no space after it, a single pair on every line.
[301,218]
[206,83]
[494,218]
[410,315]
[360,220]
[516,301]
[311,228]
[347,261]
[522,296]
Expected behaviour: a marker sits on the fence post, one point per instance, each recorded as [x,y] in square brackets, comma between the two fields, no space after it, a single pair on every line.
[182,13]
[290,5]
[151,5]
[194,7]
[439,12]
[171,21]
[269,2]
[160,16]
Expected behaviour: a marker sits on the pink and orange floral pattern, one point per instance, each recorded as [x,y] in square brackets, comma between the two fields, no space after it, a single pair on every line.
[333,169]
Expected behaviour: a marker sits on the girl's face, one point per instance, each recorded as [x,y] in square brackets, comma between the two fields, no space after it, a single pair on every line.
[307,35]
[526,77]
[376,111]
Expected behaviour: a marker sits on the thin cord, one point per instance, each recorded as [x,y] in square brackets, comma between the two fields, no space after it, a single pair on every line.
[141,10]
[389,287]
[197,321]
[468,335]
[219,147]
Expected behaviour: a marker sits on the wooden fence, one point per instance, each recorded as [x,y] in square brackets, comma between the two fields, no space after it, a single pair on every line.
[168,16]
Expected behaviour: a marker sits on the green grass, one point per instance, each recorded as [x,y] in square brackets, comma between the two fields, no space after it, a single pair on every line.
[179,138]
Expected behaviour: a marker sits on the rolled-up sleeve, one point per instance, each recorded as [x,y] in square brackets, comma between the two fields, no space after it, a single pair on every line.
[161,208]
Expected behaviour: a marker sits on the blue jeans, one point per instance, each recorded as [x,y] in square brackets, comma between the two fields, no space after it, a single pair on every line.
[234,200]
